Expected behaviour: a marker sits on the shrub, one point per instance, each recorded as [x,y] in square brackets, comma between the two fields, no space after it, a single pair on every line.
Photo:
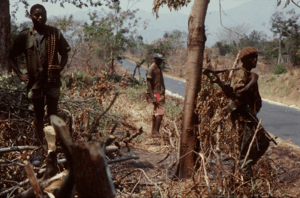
[279,69]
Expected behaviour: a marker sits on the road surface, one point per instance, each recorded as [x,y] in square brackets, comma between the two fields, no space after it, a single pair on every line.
[281,121]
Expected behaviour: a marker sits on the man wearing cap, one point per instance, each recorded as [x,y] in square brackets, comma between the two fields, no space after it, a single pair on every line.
[41,45]
[244,84]
[156,89]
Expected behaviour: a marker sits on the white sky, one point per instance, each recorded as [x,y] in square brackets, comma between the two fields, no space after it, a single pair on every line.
[55,9]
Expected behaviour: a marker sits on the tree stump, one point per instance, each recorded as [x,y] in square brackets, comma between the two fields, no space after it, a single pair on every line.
[87,163]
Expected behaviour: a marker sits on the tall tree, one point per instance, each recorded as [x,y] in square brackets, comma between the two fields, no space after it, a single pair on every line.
[4,32]
[284,24]
[196,45]
[112,31]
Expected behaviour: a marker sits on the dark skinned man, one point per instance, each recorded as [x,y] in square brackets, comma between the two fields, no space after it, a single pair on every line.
[244,83]
[156,89]
[41,45]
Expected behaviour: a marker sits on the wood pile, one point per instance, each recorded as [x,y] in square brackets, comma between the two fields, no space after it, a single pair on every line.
[29,168]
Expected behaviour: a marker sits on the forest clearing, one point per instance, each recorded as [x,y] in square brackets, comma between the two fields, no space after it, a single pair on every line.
[74,123]
[151,174]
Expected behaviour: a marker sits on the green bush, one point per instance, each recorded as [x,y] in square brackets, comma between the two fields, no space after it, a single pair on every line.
[279,69]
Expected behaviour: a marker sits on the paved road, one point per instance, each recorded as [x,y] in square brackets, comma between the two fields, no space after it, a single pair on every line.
[281,121]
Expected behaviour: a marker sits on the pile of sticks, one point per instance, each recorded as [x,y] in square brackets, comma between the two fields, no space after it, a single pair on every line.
[23,159]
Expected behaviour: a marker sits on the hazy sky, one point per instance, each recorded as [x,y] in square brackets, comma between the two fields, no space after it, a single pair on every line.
[55,9]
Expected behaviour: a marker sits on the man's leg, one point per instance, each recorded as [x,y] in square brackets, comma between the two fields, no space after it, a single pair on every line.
[153,124]
[52,104]
[262,144]
[158,113]
[259,147]
[158,120]
[39,112]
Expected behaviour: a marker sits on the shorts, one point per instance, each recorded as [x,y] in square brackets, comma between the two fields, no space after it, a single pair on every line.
[160,108]
[40,93]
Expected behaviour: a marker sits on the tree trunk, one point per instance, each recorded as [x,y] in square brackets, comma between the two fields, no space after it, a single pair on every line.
[196,47]
[88,166]
[4,32]
[279,49]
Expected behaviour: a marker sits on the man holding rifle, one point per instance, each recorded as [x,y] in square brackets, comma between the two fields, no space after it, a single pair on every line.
[41,45]
[244,109]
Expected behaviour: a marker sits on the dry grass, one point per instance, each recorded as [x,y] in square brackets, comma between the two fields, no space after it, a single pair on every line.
[283,88]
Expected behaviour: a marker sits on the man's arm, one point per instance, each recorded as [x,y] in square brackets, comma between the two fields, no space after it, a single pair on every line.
[13,64]
[150,88]
[15,50]
[63,61]
[253,80]
[241,90]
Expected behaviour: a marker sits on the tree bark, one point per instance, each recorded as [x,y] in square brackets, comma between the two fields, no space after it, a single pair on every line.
[4,32]
[196,47]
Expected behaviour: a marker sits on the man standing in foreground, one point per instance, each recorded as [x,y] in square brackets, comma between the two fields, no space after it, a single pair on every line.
[41,45]
[156,89]
[244,84]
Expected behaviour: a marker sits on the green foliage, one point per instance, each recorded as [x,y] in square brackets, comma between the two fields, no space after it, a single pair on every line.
[114,77]
[111,33]
[80,78]
[224,48]
[171,41]
[255,39]
[279,69]
[286,26]
[135,89]
[172,110]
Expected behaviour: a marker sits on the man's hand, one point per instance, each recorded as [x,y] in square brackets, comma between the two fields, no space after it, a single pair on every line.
[23,77]
[154,100]
[239,93]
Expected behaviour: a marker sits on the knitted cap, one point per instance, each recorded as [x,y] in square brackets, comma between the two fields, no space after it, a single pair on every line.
[247,51]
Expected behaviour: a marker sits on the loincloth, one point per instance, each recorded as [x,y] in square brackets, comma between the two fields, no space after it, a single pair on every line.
[159,109]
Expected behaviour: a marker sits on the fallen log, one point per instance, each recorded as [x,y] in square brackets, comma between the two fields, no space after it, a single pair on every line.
[18,148]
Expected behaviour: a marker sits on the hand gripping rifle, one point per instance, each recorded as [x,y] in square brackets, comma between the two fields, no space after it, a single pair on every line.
[229,92]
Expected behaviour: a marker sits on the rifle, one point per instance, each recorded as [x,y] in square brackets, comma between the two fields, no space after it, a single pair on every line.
[229,92]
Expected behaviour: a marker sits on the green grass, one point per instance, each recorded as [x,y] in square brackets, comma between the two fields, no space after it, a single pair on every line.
[172,110]
[134,90]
